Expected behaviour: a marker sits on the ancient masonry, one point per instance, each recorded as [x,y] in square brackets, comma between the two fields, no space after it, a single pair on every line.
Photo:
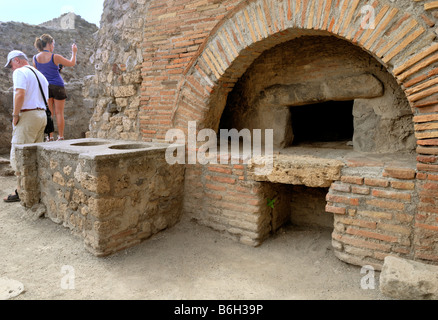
[165,63]
[110,193]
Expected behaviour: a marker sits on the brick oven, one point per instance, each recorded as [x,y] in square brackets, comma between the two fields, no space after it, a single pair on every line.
[367,97]
[349,88]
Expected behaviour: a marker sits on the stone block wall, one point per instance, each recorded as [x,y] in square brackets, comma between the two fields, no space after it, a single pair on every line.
[113,200]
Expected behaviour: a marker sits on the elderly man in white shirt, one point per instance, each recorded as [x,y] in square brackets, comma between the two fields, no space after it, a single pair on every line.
[29,115]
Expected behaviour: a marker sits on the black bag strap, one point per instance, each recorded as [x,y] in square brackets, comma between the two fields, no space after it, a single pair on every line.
[41,88]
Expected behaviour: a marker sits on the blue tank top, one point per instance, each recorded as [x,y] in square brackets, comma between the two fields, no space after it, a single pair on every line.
[51,71]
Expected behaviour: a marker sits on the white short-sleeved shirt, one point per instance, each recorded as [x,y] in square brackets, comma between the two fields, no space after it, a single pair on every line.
[25,79]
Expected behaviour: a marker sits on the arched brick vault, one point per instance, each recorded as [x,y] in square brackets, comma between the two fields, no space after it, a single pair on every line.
[399,41]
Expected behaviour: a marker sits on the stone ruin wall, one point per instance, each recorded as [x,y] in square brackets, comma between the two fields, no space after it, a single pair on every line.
[111,202]
[21,36]
[118,60]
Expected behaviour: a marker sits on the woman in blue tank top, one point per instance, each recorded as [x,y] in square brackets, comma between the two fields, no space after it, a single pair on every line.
[50,65]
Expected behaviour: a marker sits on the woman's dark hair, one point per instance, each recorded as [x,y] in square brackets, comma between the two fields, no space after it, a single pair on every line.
[43,41]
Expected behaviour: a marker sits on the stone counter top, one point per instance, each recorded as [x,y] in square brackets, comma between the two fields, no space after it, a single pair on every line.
[319,167]
[92,148]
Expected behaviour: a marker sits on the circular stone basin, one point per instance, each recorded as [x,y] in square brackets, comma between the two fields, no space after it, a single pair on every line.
[88,144]
[129,146]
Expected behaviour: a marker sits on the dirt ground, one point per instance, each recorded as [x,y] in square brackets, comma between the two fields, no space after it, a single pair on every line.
[186,262]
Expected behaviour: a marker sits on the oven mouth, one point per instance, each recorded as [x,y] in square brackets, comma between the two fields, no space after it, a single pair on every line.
[323,123]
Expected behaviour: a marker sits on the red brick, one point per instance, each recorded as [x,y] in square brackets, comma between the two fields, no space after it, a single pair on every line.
[427,208]
[242,196]
[342,187]
[196,85]
[426,159]
[402,250]
[150,131]
[369,234]
[336,210]
[386,204]
[123,234]
[430,186]
[427,167]
[398,24]
[431,109]
[354,163]
[391,195]
[428,142]
[398,229]
[225,170]
[361,243]
[400,173]
[236,207]
[426,199]
[342,199]
[422,176]
[426,226]
[332,22]
[428,21]
[376,182]
[246,199]
[352,179]
[289,10]
[215,187]
[360,190]
[403,217]
[403,185]
[358,223]
[222,179]
[427,192]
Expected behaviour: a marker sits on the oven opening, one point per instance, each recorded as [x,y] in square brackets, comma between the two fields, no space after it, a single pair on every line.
[330,121]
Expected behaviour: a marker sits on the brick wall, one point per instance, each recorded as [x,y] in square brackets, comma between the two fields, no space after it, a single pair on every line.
[221,197]
[374,210]
[194,52]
